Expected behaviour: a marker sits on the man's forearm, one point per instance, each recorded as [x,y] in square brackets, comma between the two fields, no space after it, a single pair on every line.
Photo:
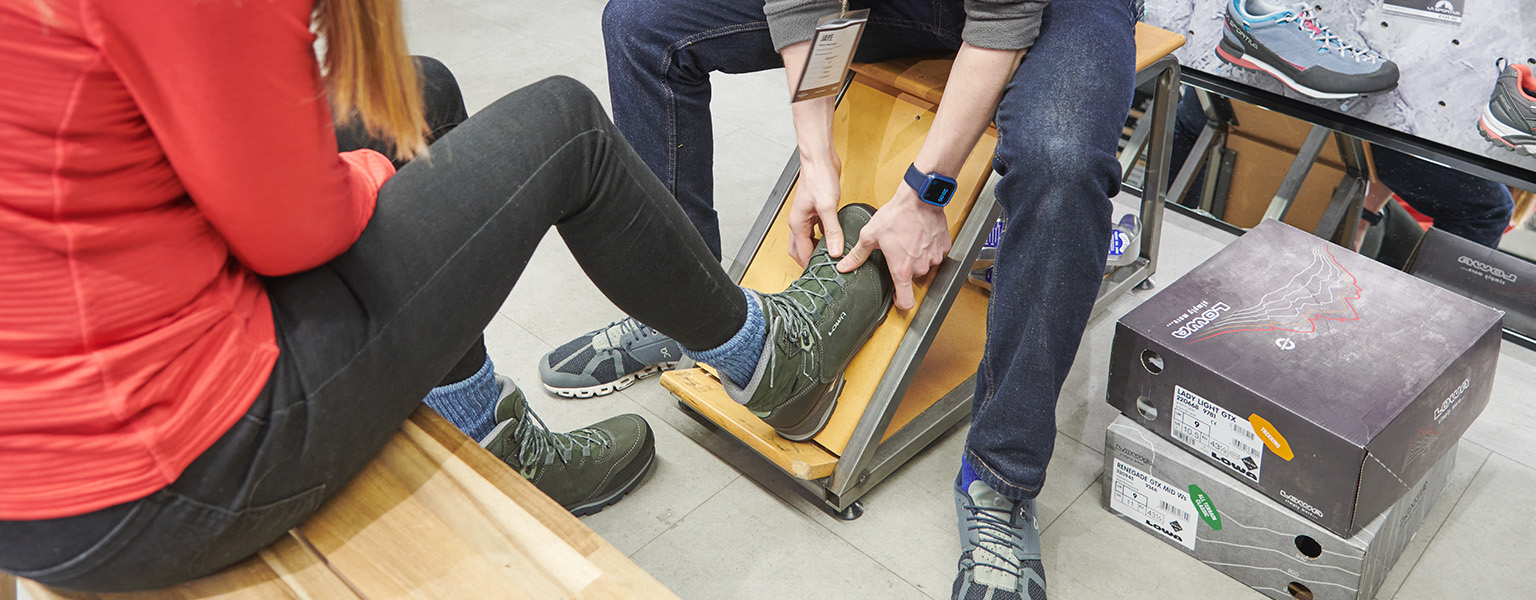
[970,100]
[812,118]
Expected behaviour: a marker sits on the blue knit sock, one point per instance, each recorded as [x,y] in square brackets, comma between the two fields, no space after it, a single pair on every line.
[469,404]
[967,474]
[737,358]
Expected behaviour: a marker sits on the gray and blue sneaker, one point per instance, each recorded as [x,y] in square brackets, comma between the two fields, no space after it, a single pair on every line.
[1288,42]
[603,361]
[999,547]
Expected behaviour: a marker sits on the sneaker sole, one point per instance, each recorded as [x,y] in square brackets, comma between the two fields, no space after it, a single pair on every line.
[1496,131]
[613,386]
[821,415]
[595,506]
[1249,62]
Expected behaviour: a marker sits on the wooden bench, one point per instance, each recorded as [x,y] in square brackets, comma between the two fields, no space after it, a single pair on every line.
[434,516]
[913,379]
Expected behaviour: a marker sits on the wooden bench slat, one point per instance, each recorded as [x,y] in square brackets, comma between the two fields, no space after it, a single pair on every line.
[433,516]
[925,76]
[285,570]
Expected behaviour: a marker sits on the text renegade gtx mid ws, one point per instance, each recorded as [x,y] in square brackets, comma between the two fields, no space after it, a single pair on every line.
[1290,44]
[1510,118]
[606,360]
[584,470]
[814,328]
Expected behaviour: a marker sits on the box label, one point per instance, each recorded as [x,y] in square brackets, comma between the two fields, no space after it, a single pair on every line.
[1216,432]
[1162,507]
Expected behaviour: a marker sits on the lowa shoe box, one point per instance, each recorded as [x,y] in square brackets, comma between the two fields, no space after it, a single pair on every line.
[1327,381]
[1153,483]
[1500,280]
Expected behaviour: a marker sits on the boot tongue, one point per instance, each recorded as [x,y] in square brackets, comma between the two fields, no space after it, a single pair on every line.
[984,496]
[821,265]
[512,408]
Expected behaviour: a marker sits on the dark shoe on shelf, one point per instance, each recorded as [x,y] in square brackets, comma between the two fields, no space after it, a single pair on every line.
[1510,119]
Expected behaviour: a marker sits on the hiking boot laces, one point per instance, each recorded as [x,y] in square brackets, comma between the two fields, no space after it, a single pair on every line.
[798,321]
[1308,23]
[993,532]
[538,446]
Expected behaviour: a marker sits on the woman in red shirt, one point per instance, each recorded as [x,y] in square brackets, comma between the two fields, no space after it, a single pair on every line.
[211,319]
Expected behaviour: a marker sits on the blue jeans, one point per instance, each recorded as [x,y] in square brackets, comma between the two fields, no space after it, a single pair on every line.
[1058,127]
[1467,205]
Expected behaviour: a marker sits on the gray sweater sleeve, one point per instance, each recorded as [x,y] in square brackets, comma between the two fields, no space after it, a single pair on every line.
[1003,24]
[794,21]
[995,24]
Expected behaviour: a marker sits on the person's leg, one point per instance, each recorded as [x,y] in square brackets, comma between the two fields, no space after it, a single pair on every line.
[466,395]
[365,336]
[442,104]
[1058,126]
[661,54]
[1466,205]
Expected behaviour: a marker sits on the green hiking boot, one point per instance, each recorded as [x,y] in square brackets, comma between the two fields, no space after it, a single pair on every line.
[584,470]
[814,328]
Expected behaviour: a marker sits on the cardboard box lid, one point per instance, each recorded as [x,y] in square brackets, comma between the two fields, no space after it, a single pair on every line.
[1336,338]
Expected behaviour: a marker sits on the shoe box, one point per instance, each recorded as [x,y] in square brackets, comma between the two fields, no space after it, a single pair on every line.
[1499,280]
[1198,508]
[1323,379]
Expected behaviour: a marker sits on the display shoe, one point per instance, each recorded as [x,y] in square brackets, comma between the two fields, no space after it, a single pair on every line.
[999,547]
[814,327]
[584,470]
[1510,118]
[1288,42]
[606,360]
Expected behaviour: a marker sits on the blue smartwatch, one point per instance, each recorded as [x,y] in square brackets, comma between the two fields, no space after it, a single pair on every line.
[932,188]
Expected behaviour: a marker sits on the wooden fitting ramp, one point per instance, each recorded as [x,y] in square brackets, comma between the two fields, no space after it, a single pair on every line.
[877,133]
[433,516]
[879,125]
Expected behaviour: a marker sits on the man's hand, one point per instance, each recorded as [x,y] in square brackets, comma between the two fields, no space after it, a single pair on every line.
[816,200]
[913,235]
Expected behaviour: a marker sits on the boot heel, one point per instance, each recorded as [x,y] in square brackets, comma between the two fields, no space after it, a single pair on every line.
[817,419]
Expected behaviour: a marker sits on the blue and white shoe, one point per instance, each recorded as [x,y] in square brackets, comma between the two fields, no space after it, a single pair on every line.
[1288,42]
[606,360]
[999,547]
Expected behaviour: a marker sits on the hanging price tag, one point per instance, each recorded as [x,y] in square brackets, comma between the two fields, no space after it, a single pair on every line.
[837,37]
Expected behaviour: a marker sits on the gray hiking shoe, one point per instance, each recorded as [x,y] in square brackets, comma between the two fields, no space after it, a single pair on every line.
[584,470]
[814,328]
[999,547]
[608,359]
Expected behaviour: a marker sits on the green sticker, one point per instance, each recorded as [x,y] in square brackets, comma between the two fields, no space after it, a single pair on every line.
[1205,507]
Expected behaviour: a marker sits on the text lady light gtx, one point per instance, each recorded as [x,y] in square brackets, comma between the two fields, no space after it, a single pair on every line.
[1510,118]
[814,328]
[1290,44]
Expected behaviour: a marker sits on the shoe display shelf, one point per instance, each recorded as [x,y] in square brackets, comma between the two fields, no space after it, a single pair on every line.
[913,380]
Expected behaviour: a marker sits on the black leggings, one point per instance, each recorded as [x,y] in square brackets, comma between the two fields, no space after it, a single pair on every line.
[365,336]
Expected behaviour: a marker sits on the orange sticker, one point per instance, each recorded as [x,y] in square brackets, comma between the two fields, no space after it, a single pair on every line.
[1272,438]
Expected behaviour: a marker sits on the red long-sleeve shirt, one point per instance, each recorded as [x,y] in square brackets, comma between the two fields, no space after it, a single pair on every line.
[155,155]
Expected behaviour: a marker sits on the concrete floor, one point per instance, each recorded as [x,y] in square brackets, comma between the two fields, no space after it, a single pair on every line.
[709,531]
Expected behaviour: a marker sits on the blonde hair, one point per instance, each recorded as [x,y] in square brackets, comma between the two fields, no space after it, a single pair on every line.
[368,73]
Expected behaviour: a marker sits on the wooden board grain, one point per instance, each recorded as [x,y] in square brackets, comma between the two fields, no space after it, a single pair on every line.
[433,516]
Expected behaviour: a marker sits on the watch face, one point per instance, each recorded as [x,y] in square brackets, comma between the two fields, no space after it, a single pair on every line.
[938,192]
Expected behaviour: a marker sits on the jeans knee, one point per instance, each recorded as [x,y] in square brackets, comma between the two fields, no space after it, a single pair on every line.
[1056,166]
[624,21]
